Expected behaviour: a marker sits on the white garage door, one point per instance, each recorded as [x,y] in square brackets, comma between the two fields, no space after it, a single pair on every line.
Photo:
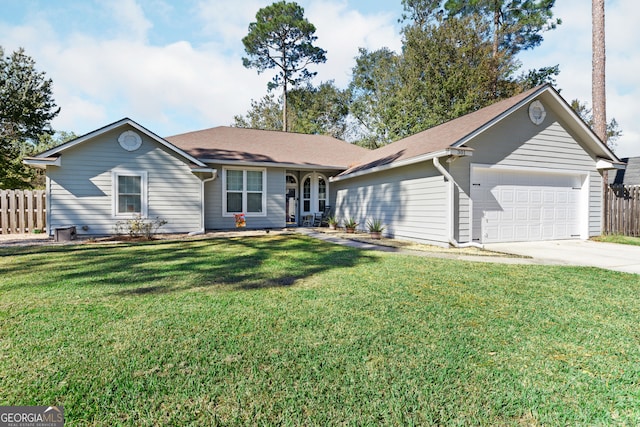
[519,206]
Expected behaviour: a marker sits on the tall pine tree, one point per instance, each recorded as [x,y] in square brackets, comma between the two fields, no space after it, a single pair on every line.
[282,38]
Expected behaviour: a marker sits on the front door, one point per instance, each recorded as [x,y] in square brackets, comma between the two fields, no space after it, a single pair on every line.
[291,197]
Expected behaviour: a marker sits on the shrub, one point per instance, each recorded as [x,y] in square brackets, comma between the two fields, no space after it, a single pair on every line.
[139,227]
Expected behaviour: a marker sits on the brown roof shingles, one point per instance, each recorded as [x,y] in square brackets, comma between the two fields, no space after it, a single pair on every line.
[223,143]
[437,138]
[252,145]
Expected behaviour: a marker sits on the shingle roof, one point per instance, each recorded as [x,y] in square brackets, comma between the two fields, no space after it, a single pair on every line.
[628,176]
[440,137]
[251,145]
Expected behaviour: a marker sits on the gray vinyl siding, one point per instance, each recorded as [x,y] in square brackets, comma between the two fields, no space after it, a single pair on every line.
[275,213]
[276,203]
[81,188]
[517,142]
[410,201]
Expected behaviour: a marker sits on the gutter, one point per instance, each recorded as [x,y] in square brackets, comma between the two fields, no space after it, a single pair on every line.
[452,184]
[452,151]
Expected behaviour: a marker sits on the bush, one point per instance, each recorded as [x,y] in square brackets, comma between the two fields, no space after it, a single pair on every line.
[139,227]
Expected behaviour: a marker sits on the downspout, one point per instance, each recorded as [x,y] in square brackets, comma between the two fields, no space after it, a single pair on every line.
[47,204]
[202,182]
[450,207]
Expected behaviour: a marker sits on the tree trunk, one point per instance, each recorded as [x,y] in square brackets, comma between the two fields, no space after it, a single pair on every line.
[496,30]
[496,46]
[284,106]
[598,94]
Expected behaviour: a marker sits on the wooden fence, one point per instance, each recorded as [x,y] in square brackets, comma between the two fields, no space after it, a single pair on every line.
[22,211]
[622,210]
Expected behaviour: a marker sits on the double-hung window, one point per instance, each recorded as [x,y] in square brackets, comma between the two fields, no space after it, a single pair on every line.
[244,192]
[129,193]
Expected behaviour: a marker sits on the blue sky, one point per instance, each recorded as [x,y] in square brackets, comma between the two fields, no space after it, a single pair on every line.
[175,65]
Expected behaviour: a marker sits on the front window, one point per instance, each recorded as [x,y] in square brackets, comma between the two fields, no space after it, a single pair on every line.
[129,193]
[244,191]
[315,193]
[235,189]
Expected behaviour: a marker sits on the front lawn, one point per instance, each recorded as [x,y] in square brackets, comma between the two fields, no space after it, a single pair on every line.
[290,330]
[618,238]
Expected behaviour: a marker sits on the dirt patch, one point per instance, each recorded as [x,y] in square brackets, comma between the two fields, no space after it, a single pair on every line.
[27,239]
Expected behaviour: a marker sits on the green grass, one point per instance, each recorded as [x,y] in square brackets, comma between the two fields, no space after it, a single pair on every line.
[286,330]
[617,238]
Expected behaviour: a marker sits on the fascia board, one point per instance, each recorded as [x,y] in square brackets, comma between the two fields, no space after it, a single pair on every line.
[116,125]
[499,118]
[300,166]
[42,163]
[461,152]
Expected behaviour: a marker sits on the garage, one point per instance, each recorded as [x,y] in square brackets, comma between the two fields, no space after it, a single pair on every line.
[525,205]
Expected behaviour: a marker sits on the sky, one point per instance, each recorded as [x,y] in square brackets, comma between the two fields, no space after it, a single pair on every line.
[175,66]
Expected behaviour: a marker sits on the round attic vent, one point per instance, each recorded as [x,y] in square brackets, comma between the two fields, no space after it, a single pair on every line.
[129,140]
[536,112]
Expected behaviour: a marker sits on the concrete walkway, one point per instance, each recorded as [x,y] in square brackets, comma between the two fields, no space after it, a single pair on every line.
[507,259]
[611,256]
[587,253]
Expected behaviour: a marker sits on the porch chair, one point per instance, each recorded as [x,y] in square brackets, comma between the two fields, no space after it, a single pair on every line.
[307,220]
[325,216]
[317,219]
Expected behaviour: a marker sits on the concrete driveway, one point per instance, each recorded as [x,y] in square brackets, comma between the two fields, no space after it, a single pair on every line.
[625,258]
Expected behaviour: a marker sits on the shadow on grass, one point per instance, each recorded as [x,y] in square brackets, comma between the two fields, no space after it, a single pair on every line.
[165,266]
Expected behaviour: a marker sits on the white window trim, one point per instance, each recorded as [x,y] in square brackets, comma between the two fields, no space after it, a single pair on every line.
[314,177]
[143,189]
[244,192]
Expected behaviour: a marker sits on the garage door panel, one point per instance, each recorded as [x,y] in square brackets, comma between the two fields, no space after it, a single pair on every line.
[506,195]
[522,214]
[534,214]
[548,197]
[561,214]
[521,232]
[547,232]
[548,213]
[536,196]
[522,196]
[516,206]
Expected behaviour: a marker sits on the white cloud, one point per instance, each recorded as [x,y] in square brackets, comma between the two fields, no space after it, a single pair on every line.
[341,31]
[227,22]
[131,20]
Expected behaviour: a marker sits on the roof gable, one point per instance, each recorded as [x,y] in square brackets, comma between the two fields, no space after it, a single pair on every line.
[55,152]
[457,132]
